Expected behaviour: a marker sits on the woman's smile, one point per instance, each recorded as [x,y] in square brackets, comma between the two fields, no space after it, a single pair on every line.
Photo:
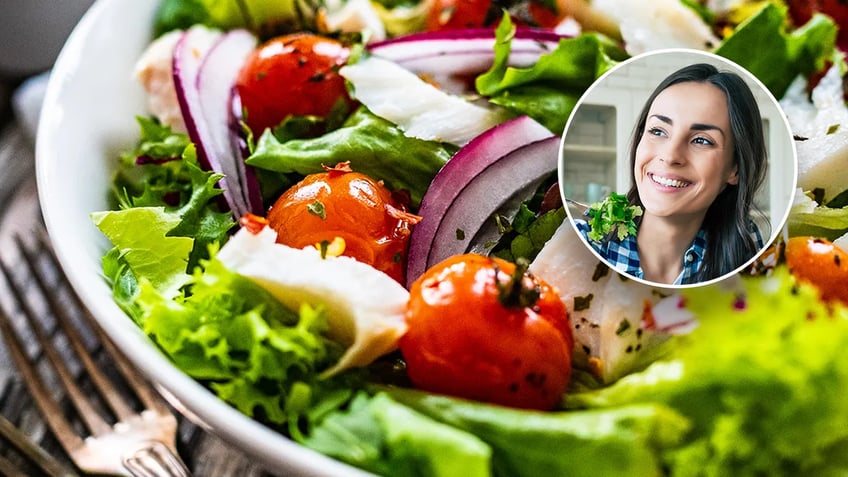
[668,181]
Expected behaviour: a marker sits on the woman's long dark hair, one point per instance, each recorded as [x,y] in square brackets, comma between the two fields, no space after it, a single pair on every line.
[728,220]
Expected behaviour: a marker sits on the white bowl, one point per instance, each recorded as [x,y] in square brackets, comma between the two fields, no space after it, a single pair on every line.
[88,117]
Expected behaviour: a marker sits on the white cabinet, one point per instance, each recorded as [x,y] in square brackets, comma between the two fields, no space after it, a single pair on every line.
[589,153]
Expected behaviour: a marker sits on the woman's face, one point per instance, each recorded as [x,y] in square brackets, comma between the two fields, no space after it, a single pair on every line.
[684,158]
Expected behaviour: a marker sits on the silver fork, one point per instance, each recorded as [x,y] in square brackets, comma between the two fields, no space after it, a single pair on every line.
[139,443]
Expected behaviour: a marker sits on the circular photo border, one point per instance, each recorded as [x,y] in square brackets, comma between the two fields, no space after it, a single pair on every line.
[601,124]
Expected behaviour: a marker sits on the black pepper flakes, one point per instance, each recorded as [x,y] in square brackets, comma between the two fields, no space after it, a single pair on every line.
[536,380]
[587,350]
[837,260]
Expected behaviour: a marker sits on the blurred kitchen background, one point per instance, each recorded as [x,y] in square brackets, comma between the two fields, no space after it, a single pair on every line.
[597,139]
[32,33]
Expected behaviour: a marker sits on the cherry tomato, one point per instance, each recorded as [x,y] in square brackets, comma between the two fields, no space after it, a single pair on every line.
[480,329]
[340,203]
[460,14]
[821,263]
[292,75]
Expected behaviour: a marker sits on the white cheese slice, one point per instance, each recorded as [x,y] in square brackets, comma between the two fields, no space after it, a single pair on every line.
[418,108]
[365,306]
[611,316]
[658,24]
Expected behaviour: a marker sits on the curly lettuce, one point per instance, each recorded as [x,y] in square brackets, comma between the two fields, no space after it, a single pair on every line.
[762,390]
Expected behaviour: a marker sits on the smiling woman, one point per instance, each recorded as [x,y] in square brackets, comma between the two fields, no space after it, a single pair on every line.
[696,161]
[698,152]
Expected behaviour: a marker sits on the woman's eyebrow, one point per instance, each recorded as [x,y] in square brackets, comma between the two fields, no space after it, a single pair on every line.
[694,127]
[706,127]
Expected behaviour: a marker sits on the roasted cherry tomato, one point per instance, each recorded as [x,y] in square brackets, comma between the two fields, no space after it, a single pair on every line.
[821,263]
[339,203]
[460,14]
[481,328]
[292,75]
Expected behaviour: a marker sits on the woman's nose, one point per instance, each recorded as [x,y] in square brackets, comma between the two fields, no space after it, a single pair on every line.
[673,152]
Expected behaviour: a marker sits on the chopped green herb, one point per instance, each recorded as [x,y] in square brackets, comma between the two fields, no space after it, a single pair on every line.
[613,214]
[323,246]
[582,303]
[833,128]
[504,226]
[460,234]
[622,327]
[601,270]
[317,208]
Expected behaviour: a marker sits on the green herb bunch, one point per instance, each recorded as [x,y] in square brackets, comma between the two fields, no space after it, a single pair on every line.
[613,214]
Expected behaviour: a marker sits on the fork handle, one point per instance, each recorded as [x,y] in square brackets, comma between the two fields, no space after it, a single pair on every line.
[155,460]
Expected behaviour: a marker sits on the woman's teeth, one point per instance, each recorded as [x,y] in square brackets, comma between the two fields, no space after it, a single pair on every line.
[668,182]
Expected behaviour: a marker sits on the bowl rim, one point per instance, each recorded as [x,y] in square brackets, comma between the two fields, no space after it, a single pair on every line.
[188,396]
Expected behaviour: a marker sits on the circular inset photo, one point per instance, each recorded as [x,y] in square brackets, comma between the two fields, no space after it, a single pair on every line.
[678,168]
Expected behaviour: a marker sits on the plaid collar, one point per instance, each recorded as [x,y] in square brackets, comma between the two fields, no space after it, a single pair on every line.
[623,255]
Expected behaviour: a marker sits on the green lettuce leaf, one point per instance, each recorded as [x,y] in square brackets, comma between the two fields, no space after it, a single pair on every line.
[374,147]
[382,436]
[140,236]
[256,15]
[776,56]
[807,217]
[549,89]
[621,441]
[238,339]
[527,233]
[763,389]
[151,173]
[162,171]
[124,283]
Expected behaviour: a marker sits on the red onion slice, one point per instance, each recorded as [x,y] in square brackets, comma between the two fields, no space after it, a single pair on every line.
[476,182]
[204,75]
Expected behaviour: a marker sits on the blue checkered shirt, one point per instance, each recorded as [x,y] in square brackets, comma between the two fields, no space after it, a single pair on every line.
[623,255]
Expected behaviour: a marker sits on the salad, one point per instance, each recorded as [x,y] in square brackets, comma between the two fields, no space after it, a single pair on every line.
[342,218]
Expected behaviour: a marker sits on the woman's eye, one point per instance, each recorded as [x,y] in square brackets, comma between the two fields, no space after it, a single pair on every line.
[656,132]
[703,141]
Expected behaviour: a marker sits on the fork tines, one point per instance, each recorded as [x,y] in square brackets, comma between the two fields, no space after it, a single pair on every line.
[45,289]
